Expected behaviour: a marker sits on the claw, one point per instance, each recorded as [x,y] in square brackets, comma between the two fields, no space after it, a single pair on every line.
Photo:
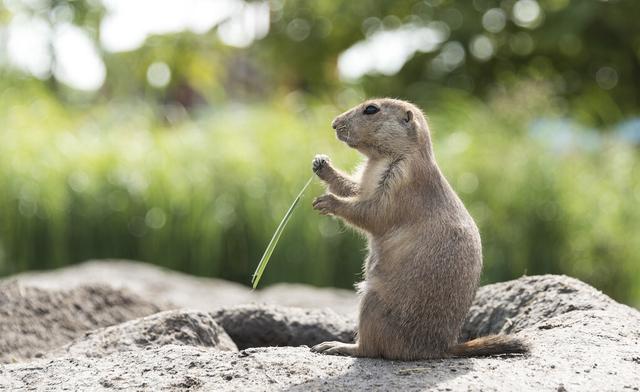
[320,162]
[324,204]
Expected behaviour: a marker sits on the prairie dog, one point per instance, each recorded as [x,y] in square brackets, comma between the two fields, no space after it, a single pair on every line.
[425,254]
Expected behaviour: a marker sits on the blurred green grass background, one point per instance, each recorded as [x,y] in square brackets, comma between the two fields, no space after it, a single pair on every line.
[204,197]
[195,173]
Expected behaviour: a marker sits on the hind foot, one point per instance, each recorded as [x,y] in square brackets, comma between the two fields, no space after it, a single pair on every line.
[336,348]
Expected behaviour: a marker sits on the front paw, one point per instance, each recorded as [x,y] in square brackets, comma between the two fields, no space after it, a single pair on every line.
[320,163]
[326,204]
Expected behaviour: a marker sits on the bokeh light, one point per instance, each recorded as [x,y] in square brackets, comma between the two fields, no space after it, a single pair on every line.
[159,74]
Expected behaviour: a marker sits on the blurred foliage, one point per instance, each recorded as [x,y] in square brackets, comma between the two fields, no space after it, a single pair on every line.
[588,52]
[205,196]
[194,174]
[566,45]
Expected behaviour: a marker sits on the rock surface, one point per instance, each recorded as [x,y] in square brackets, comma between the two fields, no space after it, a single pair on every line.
[512,306]
[580,338]
[268,325]
[178,327]
[574,357]
[34,321]
[184,291]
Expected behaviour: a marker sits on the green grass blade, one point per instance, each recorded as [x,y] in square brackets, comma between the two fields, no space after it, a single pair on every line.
[276,236]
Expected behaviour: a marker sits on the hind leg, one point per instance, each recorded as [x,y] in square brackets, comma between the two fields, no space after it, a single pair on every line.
[375,337]
[379,333]
[337,348]
[367,310]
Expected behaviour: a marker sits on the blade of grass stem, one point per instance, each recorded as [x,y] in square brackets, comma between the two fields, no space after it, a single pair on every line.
[276,236]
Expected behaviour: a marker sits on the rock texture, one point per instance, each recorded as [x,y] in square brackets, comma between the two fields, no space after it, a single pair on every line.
[265,325]
[183,328]
[184,291]
[512,306]
[34,321]
[581,341]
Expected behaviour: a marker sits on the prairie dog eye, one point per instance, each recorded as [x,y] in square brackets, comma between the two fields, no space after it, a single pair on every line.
[371,110]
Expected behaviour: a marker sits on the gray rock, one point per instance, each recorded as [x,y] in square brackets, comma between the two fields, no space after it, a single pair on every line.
[581,341]
[178,327]
[592,350]
[176,290]
[343,302]
[34,321]
[162,285]
[267,325]
[510,307]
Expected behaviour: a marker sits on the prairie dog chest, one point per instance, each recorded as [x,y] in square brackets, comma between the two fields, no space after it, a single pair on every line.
[371,176]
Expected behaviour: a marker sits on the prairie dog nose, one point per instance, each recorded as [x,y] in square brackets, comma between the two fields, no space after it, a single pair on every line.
[334,123]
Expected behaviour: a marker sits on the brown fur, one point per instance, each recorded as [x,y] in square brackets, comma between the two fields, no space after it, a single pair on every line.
[425,254]
[490,345]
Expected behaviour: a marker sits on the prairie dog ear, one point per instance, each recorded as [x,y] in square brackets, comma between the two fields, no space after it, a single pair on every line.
[408,116]
[410,125]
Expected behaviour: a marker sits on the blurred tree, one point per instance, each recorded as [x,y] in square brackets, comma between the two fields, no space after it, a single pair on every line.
[85,14]
[587,52]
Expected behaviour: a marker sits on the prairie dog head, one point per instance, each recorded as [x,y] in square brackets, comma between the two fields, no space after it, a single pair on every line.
[383,127]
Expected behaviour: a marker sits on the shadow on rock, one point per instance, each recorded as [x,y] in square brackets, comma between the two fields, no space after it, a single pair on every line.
[268,326]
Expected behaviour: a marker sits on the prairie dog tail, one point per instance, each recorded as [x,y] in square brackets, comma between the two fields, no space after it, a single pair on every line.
[490,345]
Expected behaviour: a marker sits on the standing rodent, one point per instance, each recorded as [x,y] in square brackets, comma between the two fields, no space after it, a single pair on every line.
[425,254]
